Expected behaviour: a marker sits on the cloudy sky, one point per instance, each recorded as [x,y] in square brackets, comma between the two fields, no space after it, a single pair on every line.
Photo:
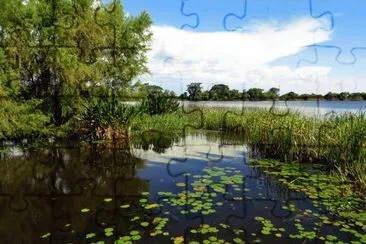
[265,43]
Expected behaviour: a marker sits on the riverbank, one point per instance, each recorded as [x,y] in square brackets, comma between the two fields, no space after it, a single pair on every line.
[337,142]
[334,141]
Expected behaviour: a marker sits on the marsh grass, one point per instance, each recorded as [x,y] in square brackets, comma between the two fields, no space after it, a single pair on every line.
[337,141]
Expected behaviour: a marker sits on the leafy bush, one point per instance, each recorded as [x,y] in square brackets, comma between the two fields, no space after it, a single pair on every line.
[107,119]
[160,103]
[23,120]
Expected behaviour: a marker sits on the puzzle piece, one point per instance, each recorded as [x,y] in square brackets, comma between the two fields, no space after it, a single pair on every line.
[337,14]
[202,18]
[111,192]
[201,217]
[240,17]
[189,15]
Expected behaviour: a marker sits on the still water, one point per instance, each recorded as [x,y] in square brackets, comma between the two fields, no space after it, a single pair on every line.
[84,194]
[312,108]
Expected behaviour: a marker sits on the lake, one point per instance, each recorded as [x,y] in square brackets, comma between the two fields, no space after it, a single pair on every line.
[312,108]
[199,188]
[308,108]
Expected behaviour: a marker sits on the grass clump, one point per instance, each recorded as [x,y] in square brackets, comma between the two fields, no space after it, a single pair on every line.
[107,119]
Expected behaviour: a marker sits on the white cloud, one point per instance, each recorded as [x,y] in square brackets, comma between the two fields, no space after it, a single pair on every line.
[239,59]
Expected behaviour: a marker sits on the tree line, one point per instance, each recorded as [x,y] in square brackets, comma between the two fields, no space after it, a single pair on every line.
[222,92]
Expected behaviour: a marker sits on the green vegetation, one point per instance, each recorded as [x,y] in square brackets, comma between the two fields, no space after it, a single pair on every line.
[337,141]
[219,189]
[76,81]
[69,52]
[341,200]
[22,120]
[107,119]
[159,102]
[222,92]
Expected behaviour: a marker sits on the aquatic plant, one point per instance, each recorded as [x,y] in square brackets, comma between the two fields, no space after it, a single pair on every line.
[337,141]
[149,220]
[158,102]
[322,188]
[107,119]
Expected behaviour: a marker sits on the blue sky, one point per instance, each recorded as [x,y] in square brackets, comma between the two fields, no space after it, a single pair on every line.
[267,47]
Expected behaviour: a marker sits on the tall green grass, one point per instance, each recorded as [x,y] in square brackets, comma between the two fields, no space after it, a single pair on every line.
[337,141]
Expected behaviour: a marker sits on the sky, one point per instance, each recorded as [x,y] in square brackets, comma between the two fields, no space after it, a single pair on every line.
[299,45]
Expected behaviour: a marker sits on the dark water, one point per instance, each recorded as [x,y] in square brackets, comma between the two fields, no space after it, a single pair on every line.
[43,192]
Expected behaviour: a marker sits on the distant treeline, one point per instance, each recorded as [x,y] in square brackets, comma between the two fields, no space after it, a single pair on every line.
[222,92]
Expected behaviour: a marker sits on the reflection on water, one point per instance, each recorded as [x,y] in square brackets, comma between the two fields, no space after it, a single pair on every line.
[43,191]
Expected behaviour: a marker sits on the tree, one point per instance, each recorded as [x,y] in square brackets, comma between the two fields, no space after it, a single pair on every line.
[255,94]
[290,96]
[305,96]
[137,91]
[154,89]
[330,96]
[184,96]
[234,95]
[194,91]
[245,95]
[343,96]
[273,93]
[59,51]
[205,96]
[357,96]
[221,91]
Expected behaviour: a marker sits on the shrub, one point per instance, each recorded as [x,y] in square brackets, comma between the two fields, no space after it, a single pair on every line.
[158,102]
[18,121]
[107,119]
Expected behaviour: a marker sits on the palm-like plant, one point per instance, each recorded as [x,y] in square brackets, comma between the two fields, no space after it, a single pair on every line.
[108,119]
[160,103]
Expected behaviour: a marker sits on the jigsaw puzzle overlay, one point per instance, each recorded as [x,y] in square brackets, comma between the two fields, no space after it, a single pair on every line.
[191,184]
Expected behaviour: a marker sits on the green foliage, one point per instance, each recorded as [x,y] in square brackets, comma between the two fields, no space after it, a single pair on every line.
[335,141]
[111,51]
[194,91]
[222,92]
[21,120]
[107,119]
[159,102]
[327,190]
[290,96]
[171,123]
[256,94]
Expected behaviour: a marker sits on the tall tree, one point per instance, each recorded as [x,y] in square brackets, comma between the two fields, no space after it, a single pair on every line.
[290,96]
[330,96]
[60,50]
[255,94]
[273,93]
[343,96]
[221,91]
[194,91]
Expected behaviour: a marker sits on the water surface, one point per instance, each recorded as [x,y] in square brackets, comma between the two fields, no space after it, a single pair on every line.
[64,193]
[312,108]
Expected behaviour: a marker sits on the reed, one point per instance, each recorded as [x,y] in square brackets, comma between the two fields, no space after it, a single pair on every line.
[337,141]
